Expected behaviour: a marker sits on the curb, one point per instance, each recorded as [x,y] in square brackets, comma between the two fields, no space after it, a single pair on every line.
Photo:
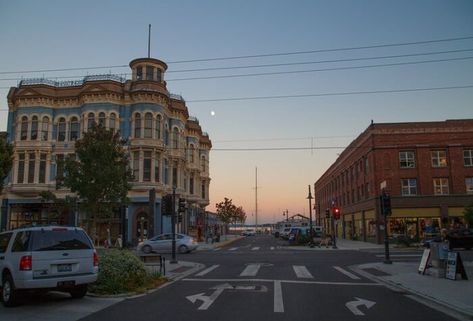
[224,243]
[452,310]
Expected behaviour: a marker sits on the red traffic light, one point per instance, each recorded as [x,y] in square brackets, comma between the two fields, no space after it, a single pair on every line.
[336,212]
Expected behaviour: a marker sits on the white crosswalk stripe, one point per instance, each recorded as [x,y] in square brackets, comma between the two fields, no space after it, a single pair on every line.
[233,249]
[349,274]
[302,272]
[207,270]
[217,249]
[271,248]
[256,248]
[251,270]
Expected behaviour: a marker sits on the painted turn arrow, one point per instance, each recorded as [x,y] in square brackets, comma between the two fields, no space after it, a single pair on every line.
[353,305]
[207,300]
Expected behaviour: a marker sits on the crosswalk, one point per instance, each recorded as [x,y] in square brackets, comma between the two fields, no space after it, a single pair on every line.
[300,271]
[248,247]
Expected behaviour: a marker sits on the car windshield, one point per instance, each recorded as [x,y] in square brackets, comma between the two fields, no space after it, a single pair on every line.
[54,240]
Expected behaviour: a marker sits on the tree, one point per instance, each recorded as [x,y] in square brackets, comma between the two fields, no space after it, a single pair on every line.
[468,215]
[99,173]
[226,211]
[6,159]
[240,215]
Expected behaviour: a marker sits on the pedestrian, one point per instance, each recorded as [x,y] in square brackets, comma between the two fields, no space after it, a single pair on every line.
[119,242]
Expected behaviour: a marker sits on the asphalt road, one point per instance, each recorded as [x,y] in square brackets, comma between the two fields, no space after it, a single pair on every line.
[258,278]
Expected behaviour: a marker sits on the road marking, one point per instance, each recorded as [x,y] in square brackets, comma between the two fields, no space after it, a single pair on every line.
[271,248]
[278,302]
[217,249]
[302,272]
[251,270]
[353,305]
[255,248]
[350,275]
[207,270]
[207,300]
[233,249]
[286,281]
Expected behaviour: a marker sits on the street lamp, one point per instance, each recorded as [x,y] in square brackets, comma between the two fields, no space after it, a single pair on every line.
[286,212]
[310,198]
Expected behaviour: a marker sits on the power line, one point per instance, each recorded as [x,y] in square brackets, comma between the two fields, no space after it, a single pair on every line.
[319,70]
[257,56]
[288,72]
[278,139]
[326,50]
[331,94]
[327,94]
[321,61]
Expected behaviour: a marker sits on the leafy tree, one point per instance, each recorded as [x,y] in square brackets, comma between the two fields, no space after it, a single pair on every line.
[240,215]
[99,174]
[226,211]
[468,215]
[6,159]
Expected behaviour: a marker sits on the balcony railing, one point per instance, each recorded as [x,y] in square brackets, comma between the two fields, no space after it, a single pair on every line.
[71,83]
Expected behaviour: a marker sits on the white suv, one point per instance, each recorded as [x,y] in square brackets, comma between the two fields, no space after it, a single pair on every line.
[46,258]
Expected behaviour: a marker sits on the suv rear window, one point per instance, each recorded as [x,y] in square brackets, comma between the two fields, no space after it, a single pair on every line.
[57,240]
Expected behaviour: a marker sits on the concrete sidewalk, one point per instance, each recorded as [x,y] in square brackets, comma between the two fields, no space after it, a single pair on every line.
[456,295]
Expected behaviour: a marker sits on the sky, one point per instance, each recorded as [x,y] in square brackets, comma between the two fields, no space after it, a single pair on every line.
[290,140]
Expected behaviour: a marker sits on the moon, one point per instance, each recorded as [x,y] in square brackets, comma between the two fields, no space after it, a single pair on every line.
[212,113]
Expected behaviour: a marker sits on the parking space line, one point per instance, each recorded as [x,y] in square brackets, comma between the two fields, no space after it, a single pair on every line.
[207,270]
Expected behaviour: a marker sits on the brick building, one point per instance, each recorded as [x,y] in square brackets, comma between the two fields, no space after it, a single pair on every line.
[167,147]
[427,168]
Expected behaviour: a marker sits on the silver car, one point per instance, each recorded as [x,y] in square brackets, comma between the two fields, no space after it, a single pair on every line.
[163,244]
[46,258]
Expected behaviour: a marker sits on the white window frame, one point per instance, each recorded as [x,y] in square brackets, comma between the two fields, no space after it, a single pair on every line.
[441,186]
[408,157]
[438,158]
[410,188]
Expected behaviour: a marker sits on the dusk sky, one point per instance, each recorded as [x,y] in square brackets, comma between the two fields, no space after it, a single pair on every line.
[273,134]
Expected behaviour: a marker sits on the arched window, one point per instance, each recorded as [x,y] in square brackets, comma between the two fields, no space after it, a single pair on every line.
[74,129]
[102,119]
[61,130]
[166,137]
[45,129]
[24,128]
[112,122]
[34,128]
[157,134]
[175,138]
[149,125]
[90,120]
[137,125]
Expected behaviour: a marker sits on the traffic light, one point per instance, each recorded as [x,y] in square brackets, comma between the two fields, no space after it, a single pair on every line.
[182,205]
[385,204]
[166,205]
[336,212]
[327,213]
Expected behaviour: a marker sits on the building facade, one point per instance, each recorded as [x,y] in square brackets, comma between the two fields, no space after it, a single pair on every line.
[426,167]
[167,147]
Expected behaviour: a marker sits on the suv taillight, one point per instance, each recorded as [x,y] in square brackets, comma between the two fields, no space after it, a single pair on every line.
[26,263]
[96,259]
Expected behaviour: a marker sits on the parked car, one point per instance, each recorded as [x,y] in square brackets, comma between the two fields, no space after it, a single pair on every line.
[460,238]
[162,243]
[248,232]
[46,258]
[284,234]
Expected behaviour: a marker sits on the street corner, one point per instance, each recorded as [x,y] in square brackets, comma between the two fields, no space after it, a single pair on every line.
[227,242]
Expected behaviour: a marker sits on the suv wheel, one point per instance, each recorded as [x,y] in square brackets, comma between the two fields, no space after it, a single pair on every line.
[9,293]
[79,291]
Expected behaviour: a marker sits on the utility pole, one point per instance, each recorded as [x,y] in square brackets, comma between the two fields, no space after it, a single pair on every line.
[256,199]
[310,198]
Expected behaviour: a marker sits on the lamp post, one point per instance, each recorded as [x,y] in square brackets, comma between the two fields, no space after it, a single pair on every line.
[286,212]
[310,198]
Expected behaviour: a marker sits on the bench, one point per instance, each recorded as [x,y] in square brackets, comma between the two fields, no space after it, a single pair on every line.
[151,260]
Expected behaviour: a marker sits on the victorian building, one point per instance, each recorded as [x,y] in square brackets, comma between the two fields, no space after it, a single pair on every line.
[167,147]
[426,167]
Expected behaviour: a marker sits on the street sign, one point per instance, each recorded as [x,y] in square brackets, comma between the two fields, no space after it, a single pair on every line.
[353,305]
[424,261]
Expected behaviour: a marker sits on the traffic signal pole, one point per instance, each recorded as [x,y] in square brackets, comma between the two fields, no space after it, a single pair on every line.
[385,204]
[173,227]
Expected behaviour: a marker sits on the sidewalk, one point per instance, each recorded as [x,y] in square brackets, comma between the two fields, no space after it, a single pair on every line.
[455,295]
[224,240]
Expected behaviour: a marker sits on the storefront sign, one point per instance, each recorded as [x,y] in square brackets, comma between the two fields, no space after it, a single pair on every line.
[424,261]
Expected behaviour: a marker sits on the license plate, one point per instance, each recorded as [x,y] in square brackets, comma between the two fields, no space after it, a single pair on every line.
[64,268]
[66,283]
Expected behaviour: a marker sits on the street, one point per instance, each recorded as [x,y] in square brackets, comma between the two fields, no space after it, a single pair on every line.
[257,278]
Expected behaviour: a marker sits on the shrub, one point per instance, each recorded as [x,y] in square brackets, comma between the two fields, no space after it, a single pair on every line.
[120,272]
